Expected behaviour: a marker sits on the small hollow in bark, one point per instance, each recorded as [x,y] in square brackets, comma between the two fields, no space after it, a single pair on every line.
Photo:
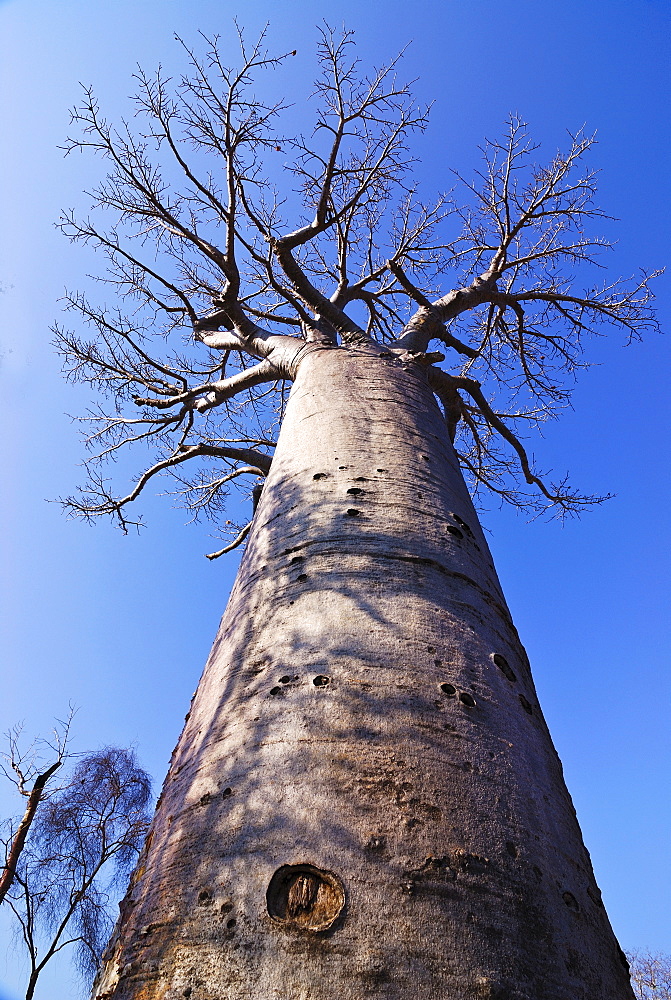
[463,524]
[571,901]
[526,705]
[305,897]
[504,666]
[448,689]
[467,699]
[321,680]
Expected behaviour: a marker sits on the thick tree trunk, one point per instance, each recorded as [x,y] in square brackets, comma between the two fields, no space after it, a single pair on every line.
[365,800]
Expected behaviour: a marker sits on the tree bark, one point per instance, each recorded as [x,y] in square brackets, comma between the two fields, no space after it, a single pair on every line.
[365,800]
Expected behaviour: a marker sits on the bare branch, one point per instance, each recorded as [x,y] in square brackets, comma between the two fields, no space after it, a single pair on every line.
[557,495]
[214,393]
[238,540]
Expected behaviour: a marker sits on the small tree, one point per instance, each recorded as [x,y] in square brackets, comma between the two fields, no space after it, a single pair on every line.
[650,975]
[33,778]
[82,843]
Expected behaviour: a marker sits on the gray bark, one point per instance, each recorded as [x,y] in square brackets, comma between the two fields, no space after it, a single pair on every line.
[365,800]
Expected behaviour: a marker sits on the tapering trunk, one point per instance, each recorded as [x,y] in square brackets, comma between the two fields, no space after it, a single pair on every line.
[365,800]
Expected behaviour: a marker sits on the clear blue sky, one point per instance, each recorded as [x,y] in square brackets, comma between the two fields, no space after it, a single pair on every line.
[122,625]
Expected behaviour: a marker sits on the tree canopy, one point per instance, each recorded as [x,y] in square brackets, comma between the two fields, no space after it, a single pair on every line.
[226,270]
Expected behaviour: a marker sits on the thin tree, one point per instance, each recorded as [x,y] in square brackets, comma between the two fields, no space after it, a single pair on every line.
[33,778]
[365,799]
[650,975]
[84,840]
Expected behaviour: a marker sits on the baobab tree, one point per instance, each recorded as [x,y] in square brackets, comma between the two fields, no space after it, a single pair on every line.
[365,800]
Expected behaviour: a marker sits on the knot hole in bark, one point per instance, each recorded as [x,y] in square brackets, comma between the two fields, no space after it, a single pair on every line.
[305,897]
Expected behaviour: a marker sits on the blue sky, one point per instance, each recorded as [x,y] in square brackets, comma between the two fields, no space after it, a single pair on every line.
[122,625]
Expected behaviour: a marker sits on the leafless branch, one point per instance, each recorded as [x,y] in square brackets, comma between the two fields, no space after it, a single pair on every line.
[238,540]
[223,282]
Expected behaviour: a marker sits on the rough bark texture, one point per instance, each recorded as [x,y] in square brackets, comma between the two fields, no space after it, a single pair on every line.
[365,800]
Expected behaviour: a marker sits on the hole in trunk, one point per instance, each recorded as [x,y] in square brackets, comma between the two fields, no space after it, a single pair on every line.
[276,690]
[463,524]
[467,699]
[285,679]
[226,792]
[305,897]
[571,901]
[302,578]
[454,531]
[448,689]
[321,680]
[526,705]
[320,475]
[504,666]
[231,923]
[352,512]
[355,491]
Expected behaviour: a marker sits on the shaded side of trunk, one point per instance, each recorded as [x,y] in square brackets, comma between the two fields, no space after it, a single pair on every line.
[365,800]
